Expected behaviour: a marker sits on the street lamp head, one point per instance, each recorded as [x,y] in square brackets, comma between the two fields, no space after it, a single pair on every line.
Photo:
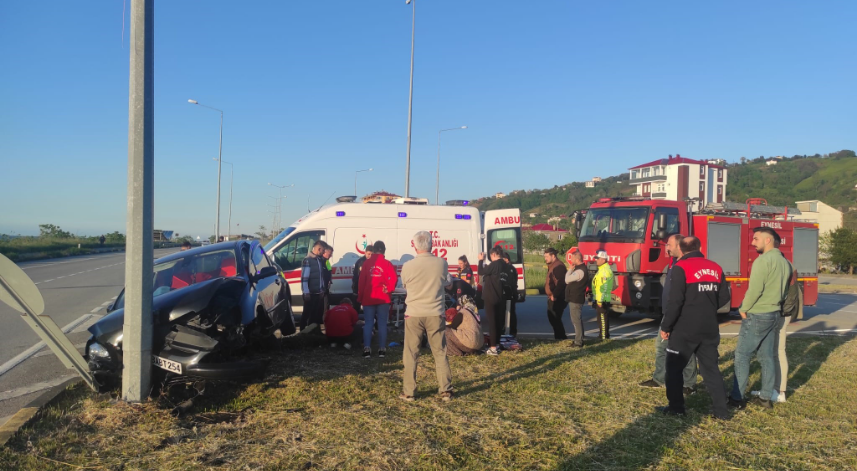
[407,2]
[370,169]
[463,127]
[193,102]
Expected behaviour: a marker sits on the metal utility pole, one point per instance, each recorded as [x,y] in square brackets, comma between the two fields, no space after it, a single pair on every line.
[437,183]
[231,177]
[410,99]
[219,160]
[137,341]
[280,200]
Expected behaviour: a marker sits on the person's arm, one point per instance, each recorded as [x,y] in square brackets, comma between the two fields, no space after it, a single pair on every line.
[678,285]
[448,278]
[758,275]
[457,320]
[392,278]
[573,275]
[724,293]
[305,273]
[353,313]
[481,268]
[405,276]
[362,283]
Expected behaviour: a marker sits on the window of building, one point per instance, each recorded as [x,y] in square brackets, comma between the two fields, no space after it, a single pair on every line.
[645,172]
[813,207]
[702,170]
[720,174]
[634,174]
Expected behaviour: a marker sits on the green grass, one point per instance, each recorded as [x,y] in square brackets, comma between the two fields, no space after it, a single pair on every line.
[547,408]
[32,248]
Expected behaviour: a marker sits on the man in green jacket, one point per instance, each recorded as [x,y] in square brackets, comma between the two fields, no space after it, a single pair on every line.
[760,313]
[602,287]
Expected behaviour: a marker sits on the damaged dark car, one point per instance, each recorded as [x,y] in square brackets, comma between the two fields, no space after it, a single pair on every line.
[210,305]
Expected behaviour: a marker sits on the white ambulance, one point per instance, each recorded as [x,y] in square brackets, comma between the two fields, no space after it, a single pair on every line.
[350,227]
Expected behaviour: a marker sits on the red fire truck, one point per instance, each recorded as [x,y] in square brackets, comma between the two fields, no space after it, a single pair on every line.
[633,231]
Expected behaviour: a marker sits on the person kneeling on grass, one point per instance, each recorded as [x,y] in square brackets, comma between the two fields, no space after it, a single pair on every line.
[339,325]
[463,330]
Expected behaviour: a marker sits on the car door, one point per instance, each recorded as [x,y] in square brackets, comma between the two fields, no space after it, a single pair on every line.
[289,255]
[266,290]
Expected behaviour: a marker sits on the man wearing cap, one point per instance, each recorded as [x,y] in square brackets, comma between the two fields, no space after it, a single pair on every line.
[602,286]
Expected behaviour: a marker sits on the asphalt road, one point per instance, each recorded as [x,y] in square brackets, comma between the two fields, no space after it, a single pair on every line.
[838,280]
[77,290]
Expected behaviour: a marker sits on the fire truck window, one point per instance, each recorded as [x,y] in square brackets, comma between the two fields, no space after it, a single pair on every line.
[290,255]
[509,240]
[673,224]
[614,223]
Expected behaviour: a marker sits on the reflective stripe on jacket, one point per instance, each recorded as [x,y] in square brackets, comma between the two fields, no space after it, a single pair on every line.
[602,284]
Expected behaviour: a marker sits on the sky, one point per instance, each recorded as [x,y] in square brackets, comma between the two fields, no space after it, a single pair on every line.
[551,92]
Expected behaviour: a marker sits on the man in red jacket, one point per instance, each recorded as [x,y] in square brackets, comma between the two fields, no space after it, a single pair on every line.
[339,323]
[377,281]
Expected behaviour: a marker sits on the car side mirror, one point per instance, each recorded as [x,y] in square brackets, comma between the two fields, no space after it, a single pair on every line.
[661,234]
[110,306]
[265,273]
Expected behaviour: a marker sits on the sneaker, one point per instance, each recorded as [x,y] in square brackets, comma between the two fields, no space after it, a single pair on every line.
[781,397]
[346,346]
[333,345]
[493,351]
[736,404]
[755,393]
[670,411]
[406,398]
[688,391]
[382,353]
[763,403]
[577,345]
[650,383]
[367,353]
[446,396]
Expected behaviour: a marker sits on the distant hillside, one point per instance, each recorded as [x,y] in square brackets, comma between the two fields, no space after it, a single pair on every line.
[830,178]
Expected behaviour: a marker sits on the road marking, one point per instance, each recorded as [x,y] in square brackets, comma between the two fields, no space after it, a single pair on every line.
[108,302]
[4,396]
[55,263]
[96,309]
[23,356]
[48,352]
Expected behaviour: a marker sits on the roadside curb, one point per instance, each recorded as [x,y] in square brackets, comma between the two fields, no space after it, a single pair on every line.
[26,414]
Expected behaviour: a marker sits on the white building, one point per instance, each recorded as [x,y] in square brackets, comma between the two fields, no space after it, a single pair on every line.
[499,195]
[827,217]
[771,162]
[596,179]
[589,184]
[677,178]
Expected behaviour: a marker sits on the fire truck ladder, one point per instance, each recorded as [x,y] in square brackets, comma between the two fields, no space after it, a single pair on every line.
[753,207]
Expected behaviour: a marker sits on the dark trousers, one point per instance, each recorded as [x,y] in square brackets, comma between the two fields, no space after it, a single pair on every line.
[603,312]
[555,310]
[679,352]
[313,310]
[354,339]
[495,312]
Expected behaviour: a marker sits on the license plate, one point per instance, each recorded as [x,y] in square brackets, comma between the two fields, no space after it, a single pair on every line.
[171,366]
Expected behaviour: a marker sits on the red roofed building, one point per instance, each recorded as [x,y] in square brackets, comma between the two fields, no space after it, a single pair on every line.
[677,178]
[554,233]
[380,197]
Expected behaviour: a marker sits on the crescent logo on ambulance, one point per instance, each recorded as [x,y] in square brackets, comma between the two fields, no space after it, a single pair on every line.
[365,244]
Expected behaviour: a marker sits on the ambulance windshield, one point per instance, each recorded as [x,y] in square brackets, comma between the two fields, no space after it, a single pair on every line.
[280,236]
[615,225]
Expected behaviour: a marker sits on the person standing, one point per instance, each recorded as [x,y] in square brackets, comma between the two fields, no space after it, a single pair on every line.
[698,288]
[101,240]
[355,274]
[690,372]
[313,286]
[555,291]
[425,279]
[377,281]
[328,274]
[760,314]
[511,286]
[492,294]
[602,286]
[576,282]
[465,271]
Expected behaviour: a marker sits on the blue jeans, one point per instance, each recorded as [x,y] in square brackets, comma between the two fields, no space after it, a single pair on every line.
[757,335]
[370,313]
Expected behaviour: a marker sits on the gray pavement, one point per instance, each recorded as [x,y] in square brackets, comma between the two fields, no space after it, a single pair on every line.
[838,280]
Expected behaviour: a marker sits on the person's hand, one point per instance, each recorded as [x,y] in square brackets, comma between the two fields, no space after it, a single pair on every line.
[743,315]
[551,297]
[306,297]
[481,256]
[665,335]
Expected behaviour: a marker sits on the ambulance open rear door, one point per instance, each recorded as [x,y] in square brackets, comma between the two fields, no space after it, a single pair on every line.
[502,228]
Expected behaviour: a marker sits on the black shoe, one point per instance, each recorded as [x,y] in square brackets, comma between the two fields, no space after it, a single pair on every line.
[736,404]
[650,384]
[670,411]
[715,416]
[688,391]
[763,403]
[577,345]
[382,353]
[367,353]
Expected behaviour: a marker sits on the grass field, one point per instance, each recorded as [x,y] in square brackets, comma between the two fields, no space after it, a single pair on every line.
[30,248]
[547,408]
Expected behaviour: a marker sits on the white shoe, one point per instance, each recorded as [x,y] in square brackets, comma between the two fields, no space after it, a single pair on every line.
[333,345]
[781,397]
[347,346]
[755,393]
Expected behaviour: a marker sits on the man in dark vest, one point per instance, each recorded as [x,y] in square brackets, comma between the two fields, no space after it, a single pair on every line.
[576,282]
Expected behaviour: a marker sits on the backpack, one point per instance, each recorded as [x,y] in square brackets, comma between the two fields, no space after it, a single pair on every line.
[509,281]
[791,304]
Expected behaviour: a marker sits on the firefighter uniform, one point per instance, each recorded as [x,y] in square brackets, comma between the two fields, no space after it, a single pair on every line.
[697,289]
[602,286]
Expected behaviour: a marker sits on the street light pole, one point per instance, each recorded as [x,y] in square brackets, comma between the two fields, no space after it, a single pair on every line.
[355,179]
[219,156]
[280,199]
[231,177]
[437,182]
[410,98]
